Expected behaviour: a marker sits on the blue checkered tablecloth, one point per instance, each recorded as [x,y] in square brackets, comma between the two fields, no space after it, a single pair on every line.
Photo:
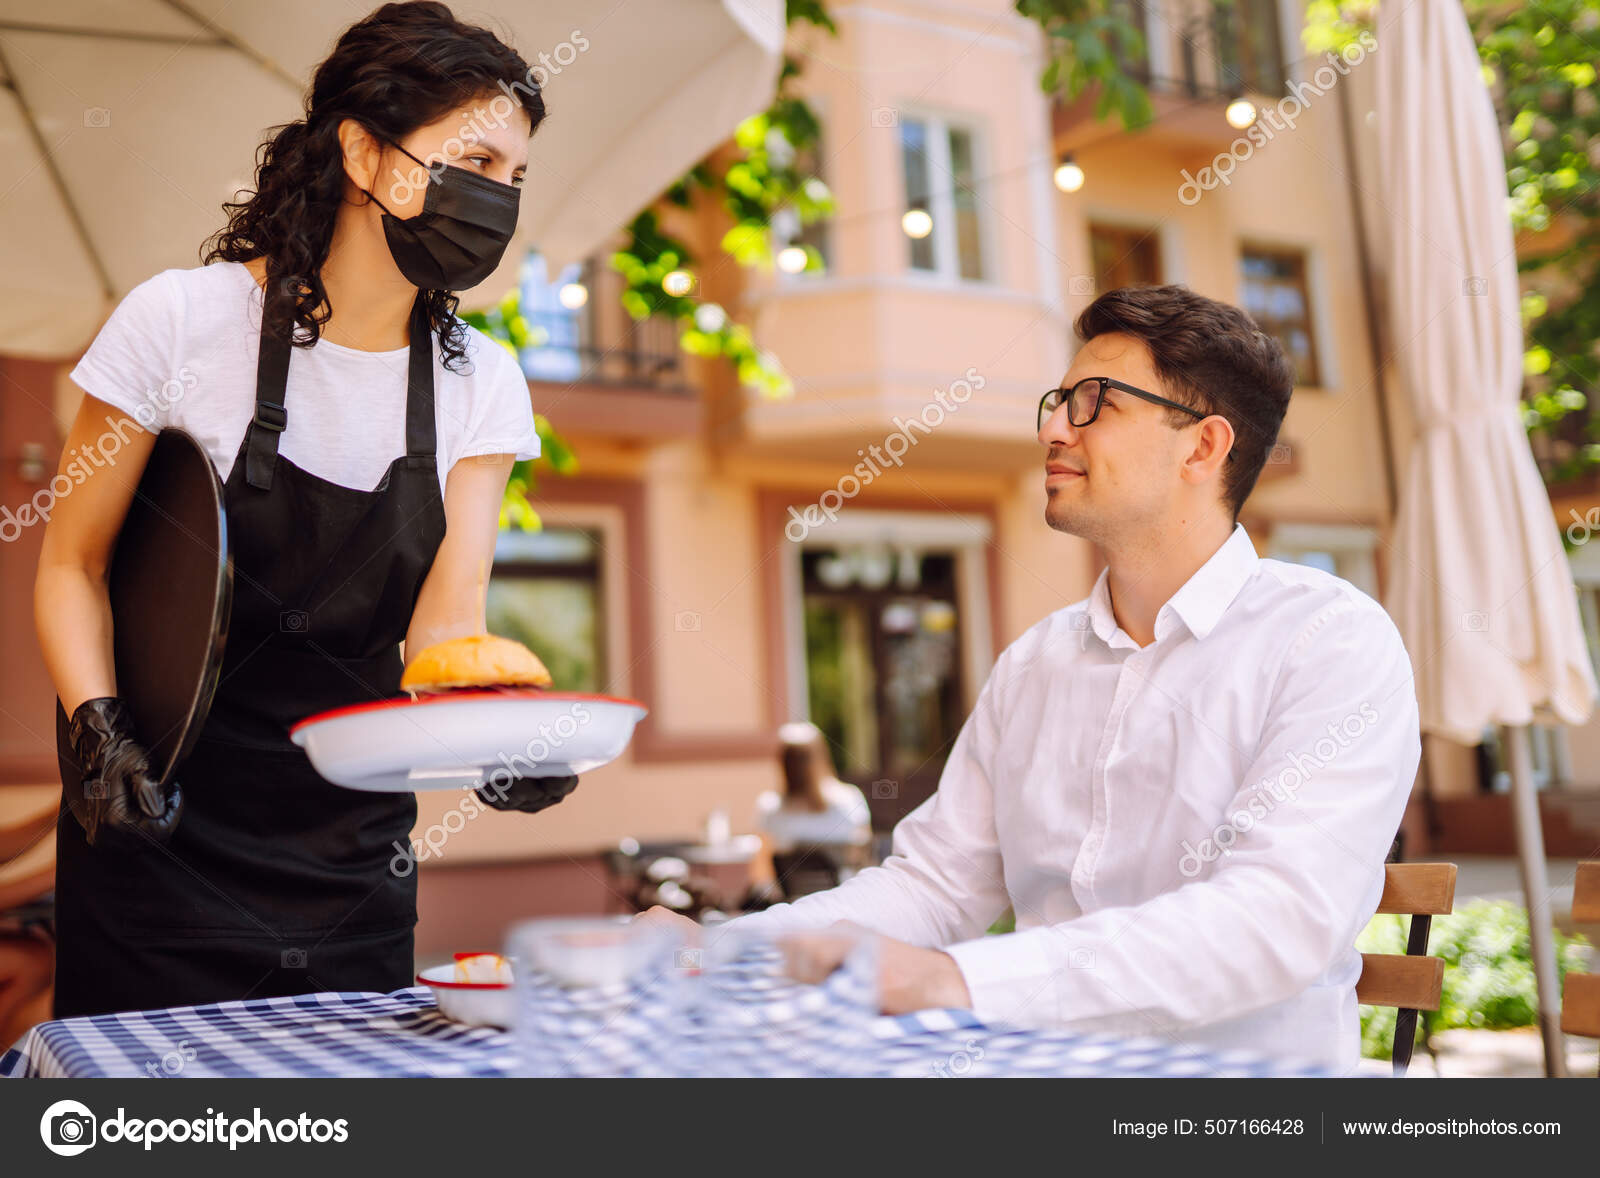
[403,1034]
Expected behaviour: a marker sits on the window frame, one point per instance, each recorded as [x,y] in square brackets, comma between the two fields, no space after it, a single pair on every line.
[1357,543]
[1154,233]
[829,244]
[612,657]
[941,198]
[1320,376]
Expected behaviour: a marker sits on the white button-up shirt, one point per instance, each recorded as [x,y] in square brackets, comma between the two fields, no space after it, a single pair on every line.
[1191,834]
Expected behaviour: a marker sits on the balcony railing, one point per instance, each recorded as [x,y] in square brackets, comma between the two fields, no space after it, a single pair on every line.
[599,342]
[1200,49]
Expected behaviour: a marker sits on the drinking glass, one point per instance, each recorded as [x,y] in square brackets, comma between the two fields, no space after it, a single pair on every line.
[600,997]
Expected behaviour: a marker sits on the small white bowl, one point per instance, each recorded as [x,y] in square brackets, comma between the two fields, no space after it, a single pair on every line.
[479,1004]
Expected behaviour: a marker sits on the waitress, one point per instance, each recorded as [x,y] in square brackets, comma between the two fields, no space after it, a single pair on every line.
[364,435]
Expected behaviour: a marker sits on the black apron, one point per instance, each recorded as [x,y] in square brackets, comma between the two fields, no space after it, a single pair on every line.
[275,881]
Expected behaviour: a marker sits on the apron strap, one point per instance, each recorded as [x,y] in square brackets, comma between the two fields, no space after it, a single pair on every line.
[272,379]
[420,439]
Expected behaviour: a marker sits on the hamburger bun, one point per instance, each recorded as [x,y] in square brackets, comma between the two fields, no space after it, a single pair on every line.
[479,660]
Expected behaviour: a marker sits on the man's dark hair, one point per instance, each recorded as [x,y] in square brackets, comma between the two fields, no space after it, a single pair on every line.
[1213,358]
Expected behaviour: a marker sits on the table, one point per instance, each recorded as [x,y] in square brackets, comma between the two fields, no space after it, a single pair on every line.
[403,1034]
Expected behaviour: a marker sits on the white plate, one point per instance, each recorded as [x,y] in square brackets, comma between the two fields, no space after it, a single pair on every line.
[481,1004]
[460,739]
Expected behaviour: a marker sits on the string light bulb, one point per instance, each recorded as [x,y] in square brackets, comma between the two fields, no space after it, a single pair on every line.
[917,223]
[1069,175]
[1241,113]
[573,295]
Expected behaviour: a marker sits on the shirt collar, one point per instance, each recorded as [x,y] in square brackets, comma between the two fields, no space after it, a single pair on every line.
[1199,604]
[1101,620]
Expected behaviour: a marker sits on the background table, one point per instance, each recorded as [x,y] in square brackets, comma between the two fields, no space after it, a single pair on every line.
[403,1034]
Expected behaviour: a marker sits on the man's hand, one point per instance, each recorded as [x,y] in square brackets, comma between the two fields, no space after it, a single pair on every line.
[909,978]
[676,921]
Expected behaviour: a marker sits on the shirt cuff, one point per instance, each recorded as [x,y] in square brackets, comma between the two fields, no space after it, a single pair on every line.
[102,387]
[1009,978]
[521,449]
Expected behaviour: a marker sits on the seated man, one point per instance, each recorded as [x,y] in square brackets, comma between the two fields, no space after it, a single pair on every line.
[1185,785]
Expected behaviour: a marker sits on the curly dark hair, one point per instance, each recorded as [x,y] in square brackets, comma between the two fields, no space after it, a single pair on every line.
[401,68]
[1213,358]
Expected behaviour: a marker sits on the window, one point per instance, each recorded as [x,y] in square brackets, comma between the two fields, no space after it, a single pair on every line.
[786,221]
[940,162]
[545,593]
[1577,749]
[1135,65]
[1221,48]
[555,332]
[1274,290]
[1589,610]
[1585,562]
[1344,550]
[1250,47]
[1124,256]
[1545,757]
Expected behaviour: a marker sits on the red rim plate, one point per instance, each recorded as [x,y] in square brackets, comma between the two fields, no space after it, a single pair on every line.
[448,696]
[453,985]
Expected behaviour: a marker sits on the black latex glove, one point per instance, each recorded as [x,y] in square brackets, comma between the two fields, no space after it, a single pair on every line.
[527,794]
[119,793]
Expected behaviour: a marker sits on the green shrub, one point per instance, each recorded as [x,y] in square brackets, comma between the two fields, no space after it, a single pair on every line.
[1488,970]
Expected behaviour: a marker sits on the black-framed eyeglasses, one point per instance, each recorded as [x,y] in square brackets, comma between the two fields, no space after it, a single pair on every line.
[1085,398]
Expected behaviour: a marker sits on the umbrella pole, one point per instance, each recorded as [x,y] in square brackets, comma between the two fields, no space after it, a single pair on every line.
[1536,889]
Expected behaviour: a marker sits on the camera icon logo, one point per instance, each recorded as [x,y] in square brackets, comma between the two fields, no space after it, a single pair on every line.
[1082,959]
[96,116]
[294,959]
[687,621]
[884,790]
[1475,286]
[1082,284]
[688,959]
[294,621]
[1475,622]
[885,116]
[96,790]
[67,1128]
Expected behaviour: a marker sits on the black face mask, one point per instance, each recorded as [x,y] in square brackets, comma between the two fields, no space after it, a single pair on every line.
[461,234]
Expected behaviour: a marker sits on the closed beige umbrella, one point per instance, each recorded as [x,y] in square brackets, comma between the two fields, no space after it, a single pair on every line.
[1481,590]
[125,124]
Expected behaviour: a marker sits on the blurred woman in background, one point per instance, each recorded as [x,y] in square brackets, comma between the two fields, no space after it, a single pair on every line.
[816,812]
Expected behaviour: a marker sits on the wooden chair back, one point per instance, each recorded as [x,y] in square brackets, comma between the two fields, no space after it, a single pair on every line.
[1414,981]
[1586,893]
[1580,996]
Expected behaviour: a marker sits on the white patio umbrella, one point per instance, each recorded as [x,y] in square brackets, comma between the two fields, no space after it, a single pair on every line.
[1481,590]
[125,124]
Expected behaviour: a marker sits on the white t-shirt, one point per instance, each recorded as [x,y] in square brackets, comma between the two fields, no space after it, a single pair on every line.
[846,821]
[181,350]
